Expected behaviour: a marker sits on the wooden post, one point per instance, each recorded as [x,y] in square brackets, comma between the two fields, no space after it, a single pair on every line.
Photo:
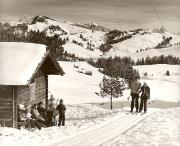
[14,106]
[111,97]
[46,100]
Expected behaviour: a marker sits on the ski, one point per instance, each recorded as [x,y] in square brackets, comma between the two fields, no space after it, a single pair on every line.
[143,113]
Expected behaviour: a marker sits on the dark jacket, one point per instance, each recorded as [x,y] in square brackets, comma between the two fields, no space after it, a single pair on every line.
[135,87]
[145,92]
[61,108]
[35,114]
[42,111]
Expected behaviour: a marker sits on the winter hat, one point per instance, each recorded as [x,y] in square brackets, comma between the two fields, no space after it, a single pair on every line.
[21,107]
[40,103]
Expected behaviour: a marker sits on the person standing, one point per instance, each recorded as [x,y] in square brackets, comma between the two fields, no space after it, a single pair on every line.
[135,88]
[61,108]
[145,95]
[49,112]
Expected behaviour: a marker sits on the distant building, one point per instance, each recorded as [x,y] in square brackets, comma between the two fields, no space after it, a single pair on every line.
[24,70]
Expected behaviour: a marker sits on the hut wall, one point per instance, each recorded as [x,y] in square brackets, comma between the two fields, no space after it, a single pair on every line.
[6,105]
[22,94]
[40,82]
[33,93]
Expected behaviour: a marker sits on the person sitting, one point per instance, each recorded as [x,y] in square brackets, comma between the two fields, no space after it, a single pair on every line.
[36,115]
[21,116]
[31,123]
[42,110]
[61,108]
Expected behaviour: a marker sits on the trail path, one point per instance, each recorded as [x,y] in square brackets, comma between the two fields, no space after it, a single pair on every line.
[105,132]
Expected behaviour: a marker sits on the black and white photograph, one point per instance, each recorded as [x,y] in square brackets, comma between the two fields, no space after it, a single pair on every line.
[89,72]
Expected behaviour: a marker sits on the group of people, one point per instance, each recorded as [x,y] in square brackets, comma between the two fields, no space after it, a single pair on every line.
[38,116]
[139,91]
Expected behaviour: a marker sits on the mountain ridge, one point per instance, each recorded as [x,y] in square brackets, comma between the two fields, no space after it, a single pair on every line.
[97,40]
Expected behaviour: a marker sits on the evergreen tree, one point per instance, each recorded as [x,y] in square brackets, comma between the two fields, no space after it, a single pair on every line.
[111,87]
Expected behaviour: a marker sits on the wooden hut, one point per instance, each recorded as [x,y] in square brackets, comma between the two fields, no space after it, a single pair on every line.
[24,70]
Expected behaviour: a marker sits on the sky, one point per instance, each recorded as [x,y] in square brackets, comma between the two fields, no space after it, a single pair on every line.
[117,14]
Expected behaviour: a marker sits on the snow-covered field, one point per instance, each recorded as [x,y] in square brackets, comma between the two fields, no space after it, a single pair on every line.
[75,87]
[91,125]
[163,87]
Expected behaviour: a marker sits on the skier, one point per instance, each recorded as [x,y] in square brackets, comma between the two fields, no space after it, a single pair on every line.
[145,95]
[61,108]
[135,88]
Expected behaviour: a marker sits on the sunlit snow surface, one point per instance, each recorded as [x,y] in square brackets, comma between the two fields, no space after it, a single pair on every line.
[75,87]
[160,128]
[18,61]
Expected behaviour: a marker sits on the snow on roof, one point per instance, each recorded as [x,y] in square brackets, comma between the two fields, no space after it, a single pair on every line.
[18,61]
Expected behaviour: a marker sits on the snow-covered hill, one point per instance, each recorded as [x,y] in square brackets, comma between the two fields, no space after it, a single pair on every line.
[89,37]
[145,45]
[81,35]
[76,86]
[174,51]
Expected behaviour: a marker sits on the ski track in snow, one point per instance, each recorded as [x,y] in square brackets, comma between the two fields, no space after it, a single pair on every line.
[102,133]
[160,129]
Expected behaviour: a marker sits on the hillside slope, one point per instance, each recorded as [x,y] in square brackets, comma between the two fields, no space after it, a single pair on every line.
[77,87]
[89,37]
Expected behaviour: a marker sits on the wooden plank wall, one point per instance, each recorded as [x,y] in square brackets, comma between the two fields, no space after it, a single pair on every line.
[40,86]
[23,95]
[23,92]
[6,105]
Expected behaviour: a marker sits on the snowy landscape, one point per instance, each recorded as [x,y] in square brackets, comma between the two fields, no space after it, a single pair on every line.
[89,119]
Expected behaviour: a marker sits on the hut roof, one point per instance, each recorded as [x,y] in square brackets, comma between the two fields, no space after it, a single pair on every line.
[20,61]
